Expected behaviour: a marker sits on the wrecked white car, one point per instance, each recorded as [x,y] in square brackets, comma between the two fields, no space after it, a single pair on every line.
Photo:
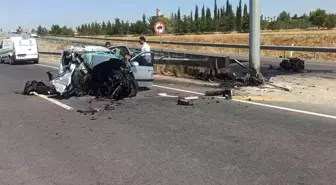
[89,70]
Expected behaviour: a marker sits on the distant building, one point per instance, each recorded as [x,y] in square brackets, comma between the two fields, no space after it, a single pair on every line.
[158,14]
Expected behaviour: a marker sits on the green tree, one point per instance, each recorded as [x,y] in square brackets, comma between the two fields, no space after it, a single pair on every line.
[196,20]
[284,16]
[144,28]
[202,23]
[55,30]
[318,18]
[208,20]
[295,16]
[109,28]
[196,13]
[203,13]
[104,27]
[304,16]
[228,6]
[178,22]
[230,17]
[117,26]
[331,21]
[245,25]
[239,17]
[215,11]
[41,30]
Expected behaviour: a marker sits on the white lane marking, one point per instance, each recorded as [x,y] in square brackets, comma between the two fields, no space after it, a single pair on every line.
[255,103]
[54,67]
[191,98]
[171,96]
[287,109]
[180,90]
[242,101]
[53,101]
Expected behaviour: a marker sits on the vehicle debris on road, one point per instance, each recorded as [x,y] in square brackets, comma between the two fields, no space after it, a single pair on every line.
[227,93]
[184,102]
[293,64]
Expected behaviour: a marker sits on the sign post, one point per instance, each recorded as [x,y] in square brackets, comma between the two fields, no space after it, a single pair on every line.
[159,29]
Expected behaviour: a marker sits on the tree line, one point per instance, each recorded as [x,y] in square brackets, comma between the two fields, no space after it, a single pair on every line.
[218,19]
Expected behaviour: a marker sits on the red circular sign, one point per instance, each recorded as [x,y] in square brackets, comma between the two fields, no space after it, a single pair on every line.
[159,28]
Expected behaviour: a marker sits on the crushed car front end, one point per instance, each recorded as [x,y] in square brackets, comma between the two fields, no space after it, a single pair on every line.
[96,72]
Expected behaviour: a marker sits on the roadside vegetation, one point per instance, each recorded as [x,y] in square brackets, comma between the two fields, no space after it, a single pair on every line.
[201,20]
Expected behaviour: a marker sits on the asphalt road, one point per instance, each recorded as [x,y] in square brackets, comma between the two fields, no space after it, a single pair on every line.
[151,140]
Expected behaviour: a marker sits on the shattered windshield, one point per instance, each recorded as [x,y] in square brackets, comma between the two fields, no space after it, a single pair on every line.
[92,59]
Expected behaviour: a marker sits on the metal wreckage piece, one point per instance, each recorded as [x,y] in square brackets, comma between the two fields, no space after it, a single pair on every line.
[90,70]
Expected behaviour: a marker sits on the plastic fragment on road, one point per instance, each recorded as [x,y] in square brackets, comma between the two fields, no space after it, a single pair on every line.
[227,93]
[184,102]
[165,95]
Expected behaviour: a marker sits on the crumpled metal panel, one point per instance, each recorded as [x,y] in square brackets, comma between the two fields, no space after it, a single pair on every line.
[62,82]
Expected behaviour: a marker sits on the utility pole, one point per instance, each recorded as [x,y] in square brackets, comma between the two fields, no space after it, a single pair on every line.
[254,37]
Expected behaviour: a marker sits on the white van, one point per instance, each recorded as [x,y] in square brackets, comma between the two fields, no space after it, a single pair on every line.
[17,49]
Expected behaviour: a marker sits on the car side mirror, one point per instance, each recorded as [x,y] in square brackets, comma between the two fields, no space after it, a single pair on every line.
[134,64]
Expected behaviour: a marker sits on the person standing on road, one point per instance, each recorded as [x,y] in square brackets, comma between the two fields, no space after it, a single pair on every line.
[145,48]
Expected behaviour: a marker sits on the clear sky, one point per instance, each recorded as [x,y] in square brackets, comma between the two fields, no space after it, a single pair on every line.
[31,13]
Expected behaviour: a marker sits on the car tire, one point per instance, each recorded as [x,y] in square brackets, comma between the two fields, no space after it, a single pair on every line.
[11,60]
[1,61]
[36,61]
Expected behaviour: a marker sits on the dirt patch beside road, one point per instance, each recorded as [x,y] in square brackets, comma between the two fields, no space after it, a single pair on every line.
[319,89]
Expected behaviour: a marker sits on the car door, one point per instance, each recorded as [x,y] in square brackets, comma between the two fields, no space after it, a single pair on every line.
[144,71]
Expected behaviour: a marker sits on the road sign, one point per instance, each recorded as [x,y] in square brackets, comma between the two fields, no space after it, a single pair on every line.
[159,28]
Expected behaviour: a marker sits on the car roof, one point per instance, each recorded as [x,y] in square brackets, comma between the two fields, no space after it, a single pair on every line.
[88,48]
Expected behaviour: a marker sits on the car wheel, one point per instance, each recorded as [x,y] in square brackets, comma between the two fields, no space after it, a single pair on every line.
[11,60]
[1,61]
[36,61]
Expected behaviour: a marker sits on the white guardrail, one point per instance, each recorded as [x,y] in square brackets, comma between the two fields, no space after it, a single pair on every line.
[221,45]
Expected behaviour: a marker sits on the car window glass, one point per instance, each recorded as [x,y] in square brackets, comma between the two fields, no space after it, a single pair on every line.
[120,50]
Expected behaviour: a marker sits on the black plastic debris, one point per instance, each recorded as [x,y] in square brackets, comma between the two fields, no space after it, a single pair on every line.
[109,107]
[227,93]
[184,102]
[38,87]
[89,111]
[293,64]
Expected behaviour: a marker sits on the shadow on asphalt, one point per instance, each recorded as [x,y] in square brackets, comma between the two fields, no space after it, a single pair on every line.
[23,63]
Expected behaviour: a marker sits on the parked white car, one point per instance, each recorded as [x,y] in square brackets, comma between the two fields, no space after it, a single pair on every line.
[18,49]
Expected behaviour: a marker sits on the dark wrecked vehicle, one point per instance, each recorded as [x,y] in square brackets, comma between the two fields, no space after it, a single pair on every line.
[89,70]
